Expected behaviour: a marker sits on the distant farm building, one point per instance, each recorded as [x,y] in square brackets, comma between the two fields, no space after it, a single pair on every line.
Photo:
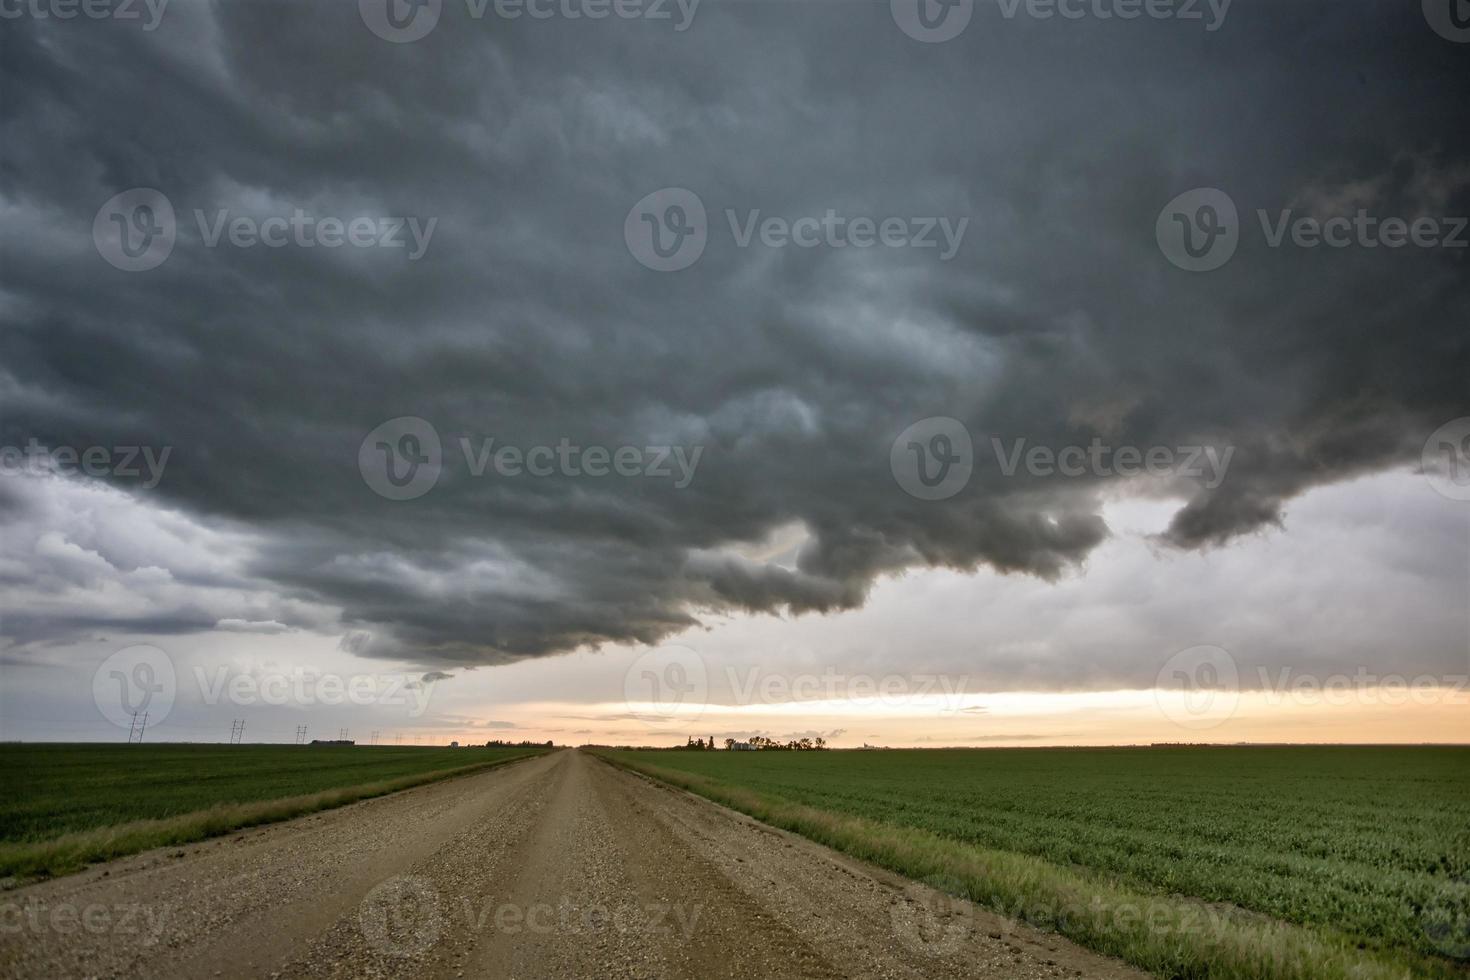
[332,741]
[741,747]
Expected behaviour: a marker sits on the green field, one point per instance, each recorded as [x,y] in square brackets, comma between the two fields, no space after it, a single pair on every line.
[1365,851]
[67,805]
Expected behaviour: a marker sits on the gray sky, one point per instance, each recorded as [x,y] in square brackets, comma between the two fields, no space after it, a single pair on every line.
[1026,289]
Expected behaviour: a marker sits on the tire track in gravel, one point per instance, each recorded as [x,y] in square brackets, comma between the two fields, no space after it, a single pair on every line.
[867,922]
[236,905]
[601,894]
[426,919]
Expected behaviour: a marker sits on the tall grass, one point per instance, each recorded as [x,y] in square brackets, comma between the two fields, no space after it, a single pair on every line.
[1169,935]
[29,860]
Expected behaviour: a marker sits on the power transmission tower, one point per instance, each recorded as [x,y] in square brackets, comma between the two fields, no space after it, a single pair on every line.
[300,734]
[397,738]
[373,739]
[135,728]
[237,731]
[342,734]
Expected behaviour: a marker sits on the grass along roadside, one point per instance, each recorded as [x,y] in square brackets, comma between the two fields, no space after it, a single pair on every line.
[1168,935]
[30,860]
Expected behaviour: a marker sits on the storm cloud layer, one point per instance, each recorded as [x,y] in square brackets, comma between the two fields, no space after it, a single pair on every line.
[791,368]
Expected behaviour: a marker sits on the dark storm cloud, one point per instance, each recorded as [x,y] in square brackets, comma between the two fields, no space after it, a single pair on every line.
[527,320]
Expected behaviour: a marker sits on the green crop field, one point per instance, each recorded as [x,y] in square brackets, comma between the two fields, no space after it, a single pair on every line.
[66,805]
[1363,851]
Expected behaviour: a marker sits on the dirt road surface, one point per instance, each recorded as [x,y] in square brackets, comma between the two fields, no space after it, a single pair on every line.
[560,866]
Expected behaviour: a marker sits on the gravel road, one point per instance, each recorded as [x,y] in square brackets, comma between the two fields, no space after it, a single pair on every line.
[560,866]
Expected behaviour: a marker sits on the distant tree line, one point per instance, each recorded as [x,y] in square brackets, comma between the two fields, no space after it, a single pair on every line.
[759,743]
[496,743]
